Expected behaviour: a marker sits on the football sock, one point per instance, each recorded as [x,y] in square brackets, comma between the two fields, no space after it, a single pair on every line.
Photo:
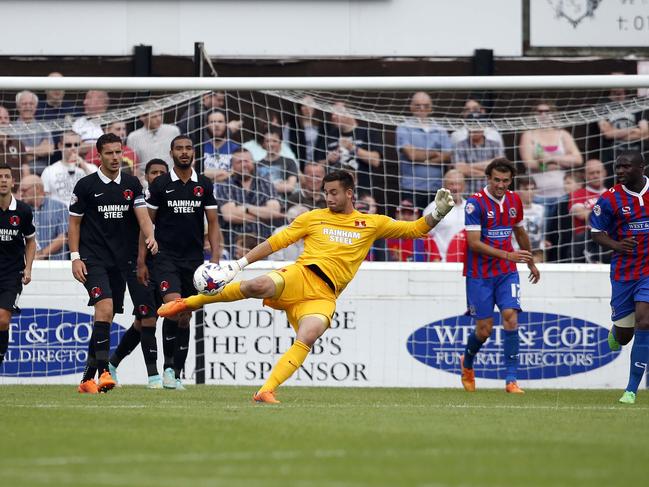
[511,355]
[169,330]
[231,292]
[150,350]
[473,345]
[101,337]
[180,352]
[4,343]
[286,366]
[126,345]
[91,364]
[639,359]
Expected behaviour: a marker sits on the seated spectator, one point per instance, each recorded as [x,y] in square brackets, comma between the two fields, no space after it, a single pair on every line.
[412,250]
[453,222]
[130,161]
[353,148]
[218,148]
[153,139]
[473,109]
[265,120]
[88,126]
[622,131]
[306,133]
[244,243]
[12,151]
[248,204]
[50,219]
[533,218]
[379,250]
[309,193]
[547,153]
[280,171]
[581,203]
[293,251]
[54,106]
[38,142]
[191,120]
[472,155]
[424,149]
[60,178]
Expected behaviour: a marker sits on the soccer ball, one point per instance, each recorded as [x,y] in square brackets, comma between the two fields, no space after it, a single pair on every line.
[209,279]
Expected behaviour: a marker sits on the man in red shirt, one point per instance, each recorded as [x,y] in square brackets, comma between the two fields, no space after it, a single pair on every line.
[581,203]
[409,250]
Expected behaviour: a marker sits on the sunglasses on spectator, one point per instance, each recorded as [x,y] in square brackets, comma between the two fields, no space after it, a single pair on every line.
[71,144]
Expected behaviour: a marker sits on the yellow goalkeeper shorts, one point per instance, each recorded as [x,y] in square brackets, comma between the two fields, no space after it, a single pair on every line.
[304,294]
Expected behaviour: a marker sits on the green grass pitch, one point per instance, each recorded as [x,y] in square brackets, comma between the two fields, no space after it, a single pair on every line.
[214,436]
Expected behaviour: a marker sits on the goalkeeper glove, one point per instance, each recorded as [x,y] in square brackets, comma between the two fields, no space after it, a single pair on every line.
[231,270]
[443,204]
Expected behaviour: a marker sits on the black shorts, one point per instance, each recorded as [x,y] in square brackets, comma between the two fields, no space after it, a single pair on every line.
[106,283]
[174,275]
[10,288]
[146,299]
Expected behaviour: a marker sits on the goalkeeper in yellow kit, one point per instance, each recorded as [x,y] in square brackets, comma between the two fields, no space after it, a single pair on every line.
[336,240]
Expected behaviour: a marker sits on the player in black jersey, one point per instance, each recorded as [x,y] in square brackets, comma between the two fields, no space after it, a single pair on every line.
[107,211]
[179,202]
[17,251]
[146,300]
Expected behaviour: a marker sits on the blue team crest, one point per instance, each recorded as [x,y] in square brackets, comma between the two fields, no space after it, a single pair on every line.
[512,212]
[551,346]
[597,210]
[469,208]
[50,342]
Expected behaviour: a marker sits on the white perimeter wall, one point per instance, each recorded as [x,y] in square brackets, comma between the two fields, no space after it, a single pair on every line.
[258,28]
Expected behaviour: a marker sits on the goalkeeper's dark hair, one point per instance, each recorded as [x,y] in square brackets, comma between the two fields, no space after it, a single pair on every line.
[501,164]
[345,178]
[107,139]
[154,162]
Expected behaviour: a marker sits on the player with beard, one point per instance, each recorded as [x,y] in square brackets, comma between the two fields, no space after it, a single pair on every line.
[107,212]
[179,202]
[336,241]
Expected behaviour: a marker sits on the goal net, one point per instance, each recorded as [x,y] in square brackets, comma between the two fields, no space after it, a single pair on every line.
[402,138]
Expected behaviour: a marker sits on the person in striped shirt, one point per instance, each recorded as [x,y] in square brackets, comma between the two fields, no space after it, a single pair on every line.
[620,222]
[491,216]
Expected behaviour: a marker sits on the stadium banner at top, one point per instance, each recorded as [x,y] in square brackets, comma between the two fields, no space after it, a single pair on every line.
[589,23]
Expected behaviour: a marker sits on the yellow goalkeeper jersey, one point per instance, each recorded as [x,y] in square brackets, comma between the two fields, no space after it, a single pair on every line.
[338,243]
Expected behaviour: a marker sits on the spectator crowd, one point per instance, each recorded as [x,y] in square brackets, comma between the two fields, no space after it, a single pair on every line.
[266,176]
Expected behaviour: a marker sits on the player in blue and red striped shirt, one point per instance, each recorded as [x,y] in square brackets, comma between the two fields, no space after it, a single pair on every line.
[491,216]
[620,222]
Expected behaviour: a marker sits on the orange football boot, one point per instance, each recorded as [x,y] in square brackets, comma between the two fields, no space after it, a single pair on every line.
[106,382]
[512,388]
[88,387]
[266,396]
[172,308]
[468,377]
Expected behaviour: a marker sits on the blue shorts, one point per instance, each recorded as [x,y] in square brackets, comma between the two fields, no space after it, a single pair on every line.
[624,295]
[483,293]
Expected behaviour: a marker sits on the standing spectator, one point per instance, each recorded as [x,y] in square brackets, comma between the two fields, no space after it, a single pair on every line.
[218,148]
[453,222]
[12,151]
[306,134]
[424,149]
[353,148]
[412,250]
[54,106]
[309,193]
[153,139]
[38,143]
[293,251]
[50,219]
[580,205]
[248,203]
[130,162]
[60,178]
[472,155]
[473,109]
[379,250]
[266,119]
[280,171]
[533,218]
[622,131]
[88,126]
